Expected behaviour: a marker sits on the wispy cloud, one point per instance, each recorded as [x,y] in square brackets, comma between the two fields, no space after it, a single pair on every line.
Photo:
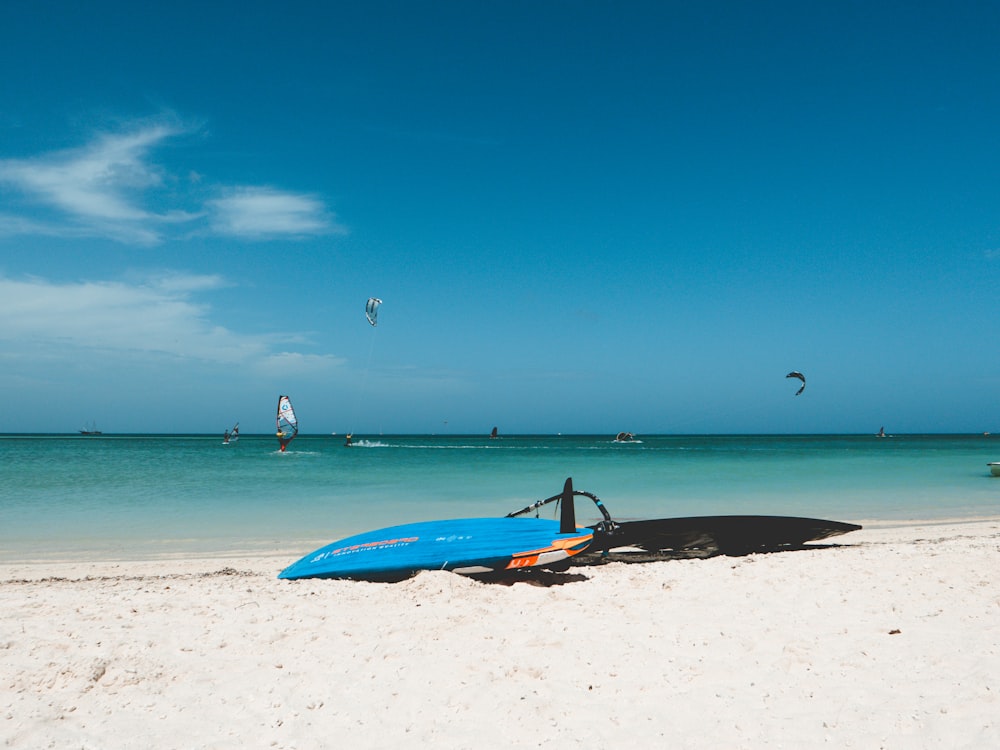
[159,317]
[111,187]
[12,224]
[97,189]
[283,363]
[256,212]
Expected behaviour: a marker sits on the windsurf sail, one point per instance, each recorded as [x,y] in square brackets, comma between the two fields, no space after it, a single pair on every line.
[701,536]
[371,310]
[234,434]
[287,422]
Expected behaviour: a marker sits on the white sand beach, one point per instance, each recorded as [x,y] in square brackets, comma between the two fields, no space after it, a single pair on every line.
[889,640]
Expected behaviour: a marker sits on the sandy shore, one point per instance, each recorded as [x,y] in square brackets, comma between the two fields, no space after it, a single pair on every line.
[891,640]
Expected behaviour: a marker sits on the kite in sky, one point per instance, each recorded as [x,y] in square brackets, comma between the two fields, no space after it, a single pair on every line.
[371,310]
[800,376]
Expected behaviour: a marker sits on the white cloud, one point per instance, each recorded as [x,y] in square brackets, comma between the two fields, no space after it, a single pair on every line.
[264,212]
[98,187]
[11,224]
[106,189]
[156,318]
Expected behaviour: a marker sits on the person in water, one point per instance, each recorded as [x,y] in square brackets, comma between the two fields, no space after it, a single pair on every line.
[347,440]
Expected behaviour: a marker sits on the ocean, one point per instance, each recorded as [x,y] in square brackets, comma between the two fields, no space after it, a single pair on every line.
[143,496]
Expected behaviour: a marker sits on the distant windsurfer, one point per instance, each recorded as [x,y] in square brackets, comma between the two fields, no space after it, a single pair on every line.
[287,423]
[225,436]
[283,440]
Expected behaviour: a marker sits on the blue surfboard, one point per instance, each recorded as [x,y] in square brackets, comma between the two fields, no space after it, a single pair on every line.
[462,545]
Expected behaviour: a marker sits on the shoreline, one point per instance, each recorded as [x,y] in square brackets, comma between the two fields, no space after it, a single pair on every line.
[890,637]
[185,550]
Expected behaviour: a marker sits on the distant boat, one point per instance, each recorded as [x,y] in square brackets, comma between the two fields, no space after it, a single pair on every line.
[287,423]
[994,468]
[91,430]
[231,436]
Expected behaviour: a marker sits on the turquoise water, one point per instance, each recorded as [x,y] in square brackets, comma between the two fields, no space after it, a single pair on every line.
[138,495]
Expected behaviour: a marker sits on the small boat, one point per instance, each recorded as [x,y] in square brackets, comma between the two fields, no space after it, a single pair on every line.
[994,468]
[92,430]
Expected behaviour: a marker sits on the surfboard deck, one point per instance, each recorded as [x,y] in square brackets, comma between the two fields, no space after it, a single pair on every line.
[466,545]
[721,535]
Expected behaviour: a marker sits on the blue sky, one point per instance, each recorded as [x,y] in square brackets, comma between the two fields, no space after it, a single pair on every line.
[581,217]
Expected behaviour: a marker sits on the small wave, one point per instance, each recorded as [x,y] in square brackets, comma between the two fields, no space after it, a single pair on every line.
[429,447]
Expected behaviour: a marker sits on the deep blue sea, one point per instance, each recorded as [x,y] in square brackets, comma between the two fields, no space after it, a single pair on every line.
[137,496]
